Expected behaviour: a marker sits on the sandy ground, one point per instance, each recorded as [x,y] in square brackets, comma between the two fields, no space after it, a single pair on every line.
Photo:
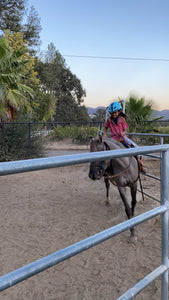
[45,211]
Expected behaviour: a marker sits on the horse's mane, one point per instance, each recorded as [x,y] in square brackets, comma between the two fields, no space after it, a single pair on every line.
[110,142]
[105,143]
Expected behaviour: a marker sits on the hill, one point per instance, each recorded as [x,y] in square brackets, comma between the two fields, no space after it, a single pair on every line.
[92,111]
[163,113]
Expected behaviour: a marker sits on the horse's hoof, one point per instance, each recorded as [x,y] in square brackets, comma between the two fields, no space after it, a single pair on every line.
[107,203]
[133,240]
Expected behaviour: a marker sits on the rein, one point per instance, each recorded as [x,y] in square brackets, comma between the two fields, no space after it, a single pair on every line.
[118,174]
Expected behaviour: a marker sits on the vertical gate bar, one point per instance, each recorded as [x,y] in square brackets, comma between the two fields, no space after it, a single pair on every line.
[29,140]
[164,223]
[161,143]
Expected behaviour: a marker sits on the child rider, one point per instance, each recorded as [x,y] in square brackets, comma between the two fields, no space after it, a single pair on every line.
[118,129]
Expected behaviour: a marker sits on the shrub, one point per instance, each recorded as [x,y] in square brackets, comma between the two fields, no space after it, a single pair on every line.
[80,135]
[16,144]
[61,133]
[164,130]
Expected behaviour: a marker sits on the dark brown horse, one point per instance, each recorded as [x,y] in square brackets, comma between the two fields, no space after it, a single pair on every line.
[122,172]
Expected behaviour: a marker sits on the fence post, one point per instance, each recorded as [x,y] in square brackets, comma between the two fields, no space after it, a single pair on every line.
[164,223]
[29,140]
[100,126]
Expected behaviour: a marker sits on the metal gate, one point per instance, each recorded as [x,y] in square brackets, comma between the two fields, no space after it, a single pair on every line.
[46,262]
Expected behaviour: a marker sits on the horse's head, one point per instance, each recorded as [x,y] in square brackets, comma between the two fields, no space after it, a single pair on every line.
[96,168]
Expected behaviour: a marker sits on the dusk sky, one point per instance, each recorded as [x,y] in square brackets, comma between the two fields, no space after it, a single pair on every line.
[113,33]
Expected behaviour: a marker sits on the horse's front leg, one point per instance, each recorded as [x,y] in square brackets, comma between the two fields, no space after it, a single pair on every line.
[107,183]
[122,191]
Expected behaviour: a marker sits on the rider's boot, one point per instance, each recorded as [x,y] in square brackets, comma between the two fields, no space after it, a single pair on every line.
[141,165]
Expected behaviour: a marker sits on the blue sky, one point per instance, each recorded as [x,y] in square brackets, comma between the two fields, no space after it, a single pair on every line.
[111,28]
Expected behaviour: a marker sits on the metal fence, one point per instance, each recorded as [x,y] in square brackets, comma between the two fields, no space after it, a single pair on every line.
[44,263]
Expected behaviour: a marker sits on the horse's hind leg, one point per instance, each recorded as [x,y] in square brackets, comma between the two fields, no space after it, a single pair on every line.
[122,191]
[133,191]
[107,183]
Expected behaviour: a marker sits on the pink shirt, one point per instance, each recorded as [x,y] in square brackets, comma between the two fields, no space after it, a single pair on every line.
[116,129]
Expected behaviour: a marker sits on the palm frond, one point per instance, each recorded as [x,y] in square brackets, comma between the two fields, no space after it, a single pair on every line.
[27,89]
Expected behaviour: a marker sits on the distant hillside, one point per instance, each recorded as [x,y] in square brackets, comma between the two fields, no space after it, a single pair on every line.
[92,111]
[155,113]
[162,113]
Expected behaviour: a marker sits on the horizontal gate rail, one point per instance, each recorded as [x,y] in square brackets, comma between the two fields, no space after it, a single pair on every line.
[152,176]
[44,263]
[142,284]
[21,166]
[148,195]
[155,156]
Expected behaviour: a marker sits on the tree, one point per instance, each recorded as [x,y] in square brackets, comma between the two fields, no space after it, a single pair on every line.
[50,55]
[68,110]
[32,31]
[12,13]
[45,108]
[99,115]
[57,80]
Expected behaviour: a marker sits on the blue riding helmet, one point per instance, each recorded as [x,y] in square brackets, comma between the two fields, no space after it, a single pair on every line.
[114,106]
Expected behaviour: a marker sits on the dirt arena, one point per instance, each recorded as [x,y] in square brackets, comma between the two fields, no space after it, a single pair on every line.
[45,211]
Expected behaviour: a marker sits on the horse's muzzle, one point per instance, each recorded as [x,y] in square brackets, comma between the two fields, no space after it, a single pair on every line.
[95,176]
[92,176]
[96,171]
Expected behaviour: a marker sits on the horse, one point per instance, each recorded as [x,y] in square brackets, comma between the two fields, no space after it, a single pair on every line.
[122,172]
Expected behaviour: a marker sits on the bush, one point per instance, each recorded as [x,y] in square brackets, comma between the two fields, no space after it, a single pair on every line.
[15,143]
[80,135]
[61,133]
[164,130]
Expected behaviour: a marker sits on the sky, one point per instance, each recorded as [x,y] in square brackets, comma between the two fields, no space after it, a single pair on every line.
[100,41]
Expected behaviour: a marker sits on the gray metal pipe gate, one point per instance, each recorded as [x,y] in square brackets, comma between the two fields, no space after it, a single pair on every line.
[46,262]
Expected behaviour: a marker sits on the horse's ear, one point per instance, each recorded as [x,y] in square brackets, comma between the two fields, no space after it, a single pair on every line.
[106,146]
[91,138]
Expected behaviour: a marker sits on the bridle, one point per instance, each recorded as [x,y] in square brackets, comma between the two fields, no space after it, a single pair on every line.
[100,167]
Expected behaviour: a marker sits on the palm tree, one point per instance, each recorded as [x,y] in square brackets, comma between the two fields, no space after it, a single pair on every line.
[13,91]
[137,111]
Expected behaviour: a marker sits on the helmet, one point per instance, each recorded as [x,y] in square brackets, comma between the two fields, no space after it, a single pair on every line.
[114,106]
